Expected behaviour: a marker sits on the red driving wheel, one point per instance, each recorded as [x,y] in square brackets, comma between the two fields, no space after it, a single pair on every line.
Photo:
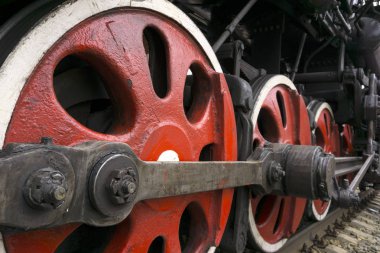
[279,116]
[326,135]
[120,76]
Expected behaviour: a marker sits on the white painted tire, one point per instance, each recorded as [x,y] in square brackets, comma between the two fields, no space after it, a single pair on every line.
[315,215]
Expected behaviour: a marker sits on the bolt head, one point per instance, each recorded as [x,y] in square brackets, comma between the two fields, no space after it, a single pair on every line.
[46,188]
[131,187]
[59,193]
[122,185]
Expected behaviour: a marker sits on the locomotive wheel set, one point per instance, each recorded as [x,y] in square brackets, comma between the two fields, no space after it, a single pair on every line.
[183,126]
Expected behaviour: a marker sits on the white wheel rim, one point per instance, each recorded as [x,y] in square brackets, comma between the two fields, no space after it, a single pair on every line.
[315,213]
[322,107]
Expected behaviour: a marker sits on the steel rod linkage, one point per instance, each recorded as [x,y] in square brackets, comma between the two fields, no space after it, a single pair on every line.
[98,183]
[232,26]
[347,165]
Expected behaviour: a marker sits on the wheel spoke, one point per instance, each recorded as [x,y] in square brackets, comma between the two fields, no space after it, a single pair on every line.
[292,109]
[292,206]
[325,136]
[51,120]
[268,226]
[47,240]
[123,43]
[270,122]
[177,73]
[172,245]
[128,234]
[257,136]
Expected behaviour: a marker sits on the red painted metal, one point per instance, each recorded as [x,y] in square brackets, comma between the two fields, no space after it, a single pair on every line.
[327,133]
[113,44]
[327,137]
[283,121]
[347,147]
[347,136]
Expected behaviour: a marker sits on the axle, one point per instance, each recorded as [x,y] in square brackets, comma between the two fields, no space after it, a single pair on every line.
[98,183]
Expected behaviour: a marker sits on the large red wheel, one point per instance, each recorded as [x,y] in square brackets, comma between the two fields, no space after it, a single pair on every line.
[120,76]
[279,116]
[326,135]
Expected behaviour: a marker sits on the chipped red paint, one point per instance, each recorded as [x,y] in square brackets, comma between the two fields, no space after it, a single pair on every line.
[278,217]
[113,44]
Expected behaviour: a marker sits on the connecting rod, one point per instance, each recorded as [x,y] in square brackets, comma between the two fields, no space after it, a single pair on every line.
[98,183]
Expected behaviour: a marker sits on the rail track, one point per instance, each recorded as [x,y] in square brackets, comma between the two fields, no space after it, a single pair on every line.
[343,230]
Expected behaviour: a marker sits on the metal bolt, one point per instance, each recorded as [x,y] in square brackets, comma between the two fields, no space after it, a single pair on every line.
[46,188]
[305,249]
[319,242]
[129,187]
[331,232]
[338,224]
[346,218]
[59,193]
[122,185]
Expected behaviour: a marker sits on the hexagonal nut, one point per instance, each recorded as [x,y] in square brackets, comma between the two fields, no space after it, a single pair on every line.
[45,188]
[122,185]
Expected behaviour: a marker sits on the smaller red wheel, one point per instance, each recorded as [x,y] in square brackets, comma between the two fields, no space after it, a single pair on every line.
[279,116]
[326,135]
